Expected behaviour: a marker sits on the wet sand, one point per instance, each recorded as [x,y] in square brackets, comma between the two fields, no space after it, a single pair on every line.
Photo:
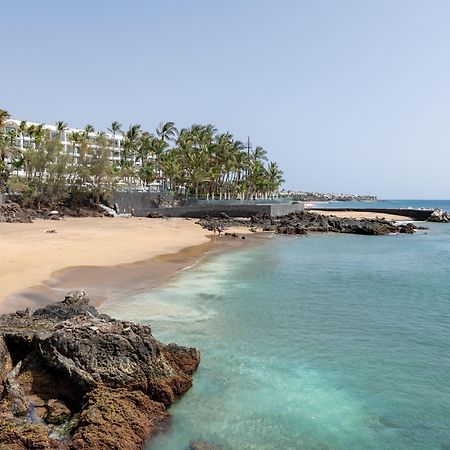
[108,257]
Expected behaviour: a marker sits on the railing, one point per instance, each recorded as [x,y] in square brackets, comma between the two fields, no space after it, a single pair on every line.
[260,201]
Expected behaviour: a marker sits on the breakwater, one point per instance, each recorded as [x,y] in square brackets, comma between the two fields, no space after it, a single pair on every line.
[416,214]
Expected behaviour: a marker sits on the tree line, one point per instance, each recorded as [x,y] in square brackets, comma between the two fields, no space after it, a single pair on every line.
[198,161]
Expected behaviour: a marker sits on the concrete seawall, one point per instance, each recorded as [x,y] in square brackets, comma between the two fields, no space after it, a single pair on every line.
[416,214]
[138,201]
[143,203]
[201,211]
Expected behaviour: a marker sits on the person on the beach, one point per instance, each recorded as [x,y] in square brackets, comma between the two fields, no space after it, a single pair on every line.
[220,229]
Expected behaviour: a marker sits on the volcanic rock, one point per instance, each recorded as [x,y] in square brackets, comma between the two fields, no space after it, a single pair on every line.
[438,215]
[305,222]
[68,367]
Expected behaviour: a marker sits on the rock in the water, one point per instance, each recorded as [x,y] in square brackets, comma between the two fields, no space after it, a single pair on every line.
[438,215]
[409,228]
[134,415]
[70,361]
[304,222]
[202,445]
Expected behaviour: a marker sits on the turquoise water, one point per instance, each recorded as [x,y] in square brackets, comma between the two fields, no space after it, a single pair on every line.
[318,342]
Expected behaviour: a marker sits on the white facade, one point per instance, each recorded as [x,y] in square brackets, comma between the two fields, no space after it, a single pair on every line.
[24,141]
[71,146]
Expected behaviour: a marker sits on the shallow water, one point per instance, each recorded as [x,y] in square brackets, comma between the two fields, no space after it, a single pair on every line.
[318,342]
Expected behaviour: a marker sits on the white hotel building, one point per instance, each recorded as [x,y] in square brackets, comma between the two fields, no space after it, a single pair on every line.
[24,140]
[116,143]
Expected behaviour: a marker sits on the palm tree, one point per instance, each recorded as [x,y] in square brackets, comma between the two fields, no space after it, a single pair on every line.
[172,169]
[274,177]
[18,163]
[7,141]
[22,128]
[87,130]
[61,126]
[4,116]
[115,128]
[75,138]
[38,134]
[198,160]
[259,154]
[167,131]
[144,146]
[130,147]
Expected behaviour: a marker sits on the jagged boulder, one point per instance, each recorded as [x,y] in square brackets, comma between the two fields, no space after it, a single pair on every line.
[67,360]
[438,215]
[134,414]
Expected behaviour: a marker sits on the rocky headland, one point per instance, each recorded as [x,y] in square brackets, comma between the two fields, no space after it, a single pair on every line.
[305,222]
[73,378]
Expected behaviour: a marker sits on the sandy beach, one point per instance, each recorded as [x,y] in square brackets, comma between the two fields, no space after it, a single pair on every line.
[106,256]
[103,255]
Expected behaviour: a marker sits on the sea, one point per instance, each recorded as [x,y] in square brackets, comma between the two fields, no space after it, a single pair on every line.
[319,342]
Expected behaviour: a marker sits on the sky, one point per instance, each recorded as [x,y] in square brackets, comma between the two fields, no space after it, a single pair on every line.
[347,96]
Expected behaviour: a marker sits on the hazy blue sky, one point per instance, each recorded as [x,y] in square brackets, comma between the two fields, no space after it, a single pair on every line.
[348,95]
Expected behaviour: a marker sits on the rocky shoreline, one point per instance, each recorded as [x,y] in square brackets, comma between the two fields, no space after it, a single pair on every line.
[12,212]
[305,222]
[73,378]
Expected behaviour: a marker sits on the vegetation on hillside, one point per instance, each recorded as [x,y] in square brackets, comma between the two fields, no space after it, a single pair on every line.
[195,162]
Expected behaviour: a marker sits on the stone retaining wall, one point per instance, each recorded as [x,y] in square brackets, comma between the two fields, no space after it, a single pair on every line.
[144,203]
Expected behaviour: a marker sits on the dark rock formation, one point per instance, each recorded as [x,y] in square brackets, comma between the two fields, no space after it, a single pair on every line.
[154,215]
[12,212]
[117,419]
[304,222]
[77,379]
[438,215]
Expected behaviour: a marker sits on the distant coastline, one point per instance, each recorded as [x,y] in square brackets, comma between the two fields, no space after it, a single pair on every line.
[303,196]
